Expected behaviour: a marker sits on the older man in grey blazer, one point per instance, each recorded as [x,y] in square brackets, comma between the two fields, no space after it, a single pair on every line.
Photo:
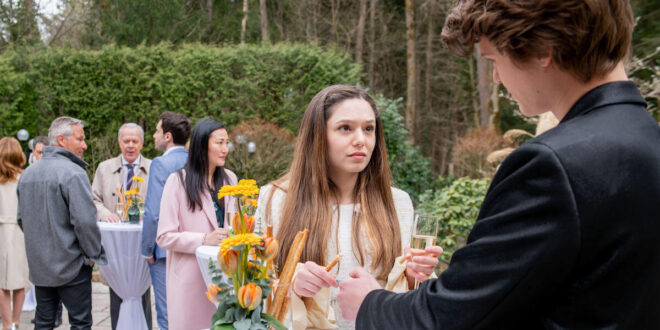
[62,240]
[115,173]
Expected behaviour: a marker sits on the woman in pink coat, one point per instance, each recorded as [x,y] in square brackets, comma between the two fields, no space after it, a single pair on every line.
[191,216]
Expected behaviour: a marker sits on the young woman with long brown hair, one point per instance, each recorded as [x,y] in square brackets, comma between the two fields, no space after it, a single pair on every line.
[339,188]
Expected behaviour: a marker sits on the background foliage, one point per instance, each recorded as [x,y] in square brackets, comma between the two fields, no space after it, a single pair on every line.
[457,206]
[116,84]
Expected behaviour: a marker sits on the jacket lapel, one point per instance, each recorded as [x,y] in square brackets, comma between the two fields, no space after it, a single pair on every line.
[209,209]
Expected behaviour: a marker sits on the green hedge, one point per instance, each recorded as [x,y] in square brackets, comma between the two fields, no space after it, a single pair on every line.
[457,206]
[410,170]
[115,85]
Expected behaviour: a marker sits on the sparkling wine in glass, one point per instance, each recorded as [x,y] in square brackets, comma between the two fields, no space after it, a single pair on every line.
[119,209]
[424,233]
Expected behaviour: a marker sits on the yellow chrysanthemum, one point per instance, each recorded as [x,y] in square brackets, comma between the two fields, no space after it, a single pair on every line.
[245,188]
[139,179]
[230,242]
[131,192]
[247,182]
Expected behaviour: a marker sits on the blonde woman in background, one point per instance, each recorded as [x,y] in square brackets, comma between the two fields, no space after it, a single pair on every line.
[339,188]
[13,261]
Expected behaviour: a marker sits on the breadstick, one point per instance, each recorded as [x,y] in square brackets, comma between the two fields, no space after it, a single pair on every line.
[284,309]
[288,270]
[333,263]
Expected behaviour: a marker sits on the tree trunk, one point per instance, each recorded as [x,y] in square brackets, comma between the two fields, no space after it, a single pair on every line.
[483,87]
[429,55]
[411,99]
[265,37]
[244,21]
[360,31]
[334,9]
[209,14]
[372,37]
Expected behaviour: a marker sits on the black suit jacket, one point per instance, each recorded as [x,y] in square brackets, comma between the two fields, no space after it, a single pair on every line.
[568,235]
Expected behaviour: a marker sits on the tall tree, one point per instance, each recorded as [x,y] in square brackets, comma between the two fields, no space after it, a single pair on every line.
[265,37]
[411,64]
[372,40]
[483,87]
[244,21]
[360,31]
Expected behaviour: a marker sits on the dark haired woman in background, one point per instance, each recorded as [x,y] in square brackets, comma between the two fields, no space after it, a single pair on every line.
[191,216]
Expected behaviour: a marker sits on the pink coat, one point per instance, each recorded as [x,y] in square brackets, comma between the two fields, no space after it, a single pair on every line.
[180,232]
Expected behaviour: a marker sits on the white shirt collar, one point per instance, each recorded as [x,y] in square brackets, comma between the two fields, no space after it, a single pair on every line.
[136,162]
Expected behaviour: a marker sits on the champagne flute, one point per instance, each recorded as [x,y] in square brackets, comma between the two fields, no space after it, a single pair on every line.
[424,232]
[119,209]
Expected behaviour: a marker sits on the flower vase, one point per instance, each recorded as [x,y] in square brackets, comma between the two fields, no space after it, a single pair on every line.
[133,214]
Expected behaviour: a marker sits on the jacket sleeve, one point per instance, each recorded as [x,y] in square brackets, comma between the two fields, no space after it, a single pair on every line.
[521,249]
[170,235]
[82,213]
[157,177]
[97,190]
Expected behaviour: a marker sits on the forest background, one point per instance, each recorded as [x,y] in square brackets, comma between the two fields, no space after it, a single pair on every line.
[255,64]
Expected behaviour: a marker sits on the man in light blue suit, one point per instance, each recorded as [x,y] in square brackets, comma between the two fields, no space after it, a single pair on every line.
[171,135]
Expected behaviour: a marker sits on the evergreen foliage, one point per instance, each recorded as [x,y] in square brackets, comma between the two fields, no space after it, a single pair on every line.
[115,85]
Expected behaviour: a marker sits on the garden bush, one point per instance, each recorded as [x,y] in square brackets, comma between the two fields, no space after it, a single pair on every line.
[114,85]
[457,207]
[410,170]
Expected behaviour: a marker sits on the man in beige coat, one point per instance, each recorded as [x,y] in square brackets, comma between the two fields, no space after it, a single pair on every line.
[118,173]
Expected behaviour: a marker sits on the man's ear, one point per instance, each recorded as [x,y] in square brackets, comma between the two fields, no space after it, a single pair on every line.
[60,140]
[168,137]
[545,58]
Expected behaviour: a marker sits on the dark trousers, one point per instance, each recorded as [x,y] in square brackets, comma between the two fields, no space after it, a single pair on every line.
[115,302]
[76,296]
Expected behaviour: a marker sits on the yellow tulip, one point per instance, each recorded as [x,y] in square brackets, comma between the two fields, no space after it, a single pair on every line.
[249,296]
[248,224]
[229,261]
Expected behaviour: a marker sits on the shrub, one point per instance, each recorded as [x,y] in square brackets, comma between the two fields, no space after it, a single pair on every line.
[457,207]
[114,85]
[410,170]
[471,151]
[273,155]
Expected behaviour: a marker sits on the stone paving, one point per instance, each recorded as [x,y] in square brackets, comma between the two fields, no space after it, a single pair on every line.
[100,311]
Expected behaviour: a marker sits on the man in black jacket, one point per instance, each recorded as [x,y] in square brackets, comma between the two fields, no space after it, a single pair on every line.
[567,236]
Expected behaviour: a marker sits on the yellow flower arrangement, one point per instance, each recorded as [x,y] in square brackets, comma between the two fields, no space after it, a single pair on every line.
[246,258]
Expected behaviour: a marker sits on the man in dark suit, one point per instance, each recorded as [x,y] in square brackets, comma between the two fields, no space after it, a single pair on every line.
[567,236]
[171,135]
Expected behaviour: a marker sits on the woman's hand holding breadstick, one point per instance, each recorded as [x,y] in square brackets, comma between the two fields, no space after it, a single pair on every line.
[311,278]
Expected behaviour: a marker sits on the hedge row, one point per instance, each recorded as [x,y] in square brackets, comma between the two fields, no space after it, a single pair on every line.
[115,85]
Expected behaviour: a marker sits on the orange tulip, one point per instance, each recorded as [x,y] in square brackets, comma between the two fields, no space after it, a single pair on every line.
[229,262]
[249,296]
[247,223]
[212,293]
[271,246]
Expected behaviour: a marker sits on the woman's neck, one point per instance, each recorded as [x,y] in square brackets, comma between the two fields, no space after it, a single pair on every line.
[209,177]
[345,183]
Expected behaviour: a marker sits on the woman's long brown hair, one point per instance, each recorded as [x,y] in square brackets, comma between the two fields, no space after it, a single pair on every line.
[310,191]
[11,159]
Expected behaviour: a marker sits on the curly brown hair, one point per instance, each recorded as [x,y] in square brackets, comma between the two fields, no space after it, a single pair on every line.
[588,37]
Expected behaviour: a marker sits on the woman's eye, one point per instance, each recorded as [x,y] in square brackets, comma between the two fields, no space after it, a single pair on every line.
[344,128]
[370,129]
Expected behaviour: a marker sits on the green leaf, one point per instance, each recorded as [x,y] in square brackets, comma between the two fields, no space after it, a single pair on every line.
[243,324]
[273,322]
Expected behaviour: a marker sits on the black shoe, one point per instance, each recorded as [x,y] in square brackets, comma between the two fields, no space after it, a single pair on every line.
[32,321]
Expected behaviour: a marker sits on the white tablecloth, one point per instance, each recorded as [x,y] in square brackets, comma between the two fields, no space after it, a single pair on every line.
[126,272]
[205,253]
